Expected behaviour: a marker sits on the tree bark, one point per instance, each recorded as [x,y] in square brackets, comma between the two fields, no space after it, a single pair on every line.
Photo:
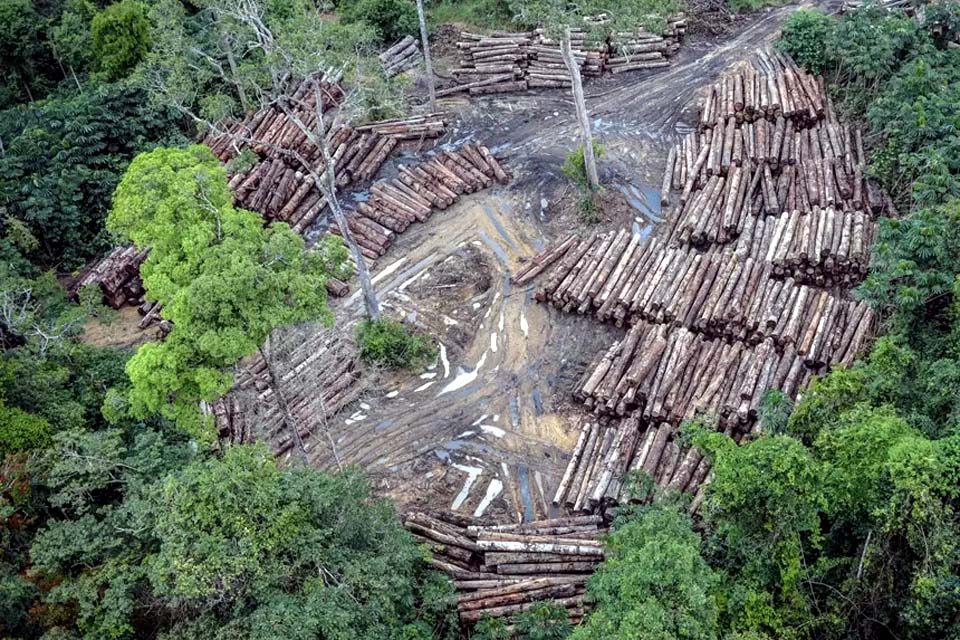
[427,61]
[330,191]
[586,136]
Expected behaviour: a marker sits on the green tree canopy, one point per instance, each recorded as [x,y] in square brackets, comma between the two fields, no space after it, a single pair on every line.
[225,280]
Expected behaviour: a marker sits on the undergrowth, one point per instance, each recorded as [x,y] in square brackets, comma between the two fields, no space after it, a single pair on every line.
[393,345]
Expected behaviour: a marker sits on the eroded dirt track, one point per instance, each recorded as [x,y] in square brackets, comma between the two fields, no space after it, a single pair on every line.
[488,429]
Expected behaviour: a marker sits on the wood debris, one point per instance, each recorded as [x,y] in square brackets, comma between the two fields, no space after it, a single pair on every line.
[318,375]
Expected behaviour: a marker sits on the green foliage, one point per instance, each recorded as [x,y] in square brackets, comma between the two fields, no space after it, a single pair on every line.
[224,280]
[543,621]
[574,167]
[21,431]
[483,14]
[805,38]
[490,629]
[653,583]
[60,199]
[392,344]
[391,19]
[121,37]
[71,38]
[742,6]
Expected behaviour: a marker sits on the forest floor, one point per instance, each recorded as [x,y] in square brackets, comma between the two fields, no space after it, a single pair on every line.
[488,428]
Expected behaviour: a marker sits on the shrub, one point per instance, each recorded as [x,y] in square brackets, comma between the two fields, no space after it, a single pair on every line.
[121,35]
[574,167]
[804,38]
[21,431]
[392,19]
[741,6]
[393,345]
[543,621]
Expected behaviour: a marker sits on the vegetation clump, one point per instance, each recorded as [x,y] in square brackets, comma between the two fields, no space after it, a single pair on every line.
[392,344]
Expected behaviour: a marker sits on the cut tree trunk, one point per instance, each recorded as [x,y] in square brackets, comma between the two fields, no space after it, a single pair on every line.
[428,63]
[586,136]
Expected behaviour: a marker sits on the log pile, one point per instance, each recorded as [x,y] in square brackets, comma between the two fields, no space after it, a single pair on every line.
[428,125]
[404,54]
[547,68]
[607,451]
[823,247]
[505,61]
[117,275]
[416,191]
[664,373]
[278,186]
[732,299]
[721,294]
[640,49]
[281,190]
[318,376]
[501,570]
[491,64]
[271,130]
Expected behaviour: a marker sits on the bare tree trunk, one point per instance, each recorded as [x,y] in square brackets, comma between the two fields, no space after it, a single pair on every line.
[234,76]
[427,61]
[288,421]
[330,191]
[586,136]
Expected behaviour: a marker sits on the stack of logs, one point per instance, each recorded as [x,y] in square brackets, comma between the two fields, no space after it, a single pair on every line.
[419,189]
[718,293]
[318,376]
[501,570]
[403,55]
[491,64]
[428,125]
[665,373]
[640,49]
[117,275]
[281,190]
[505,61]
[270,131]
[607,451]
[547,68]
[730,301]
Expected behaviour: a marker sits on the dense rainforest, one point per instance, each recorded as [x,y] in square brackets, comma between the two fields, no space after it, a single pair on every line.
[122,517]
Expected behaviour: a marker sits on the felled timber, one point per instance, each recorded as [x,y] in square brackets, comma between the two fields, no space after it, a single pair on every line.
[318,375]
[501,570]
[417,191]
[504,62]
[401,56]
[428,125]
[117,275]
[747,288]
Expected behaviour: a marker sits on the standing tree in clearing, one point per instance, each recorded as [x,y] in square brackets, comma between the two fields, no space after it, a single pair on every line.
[224,280]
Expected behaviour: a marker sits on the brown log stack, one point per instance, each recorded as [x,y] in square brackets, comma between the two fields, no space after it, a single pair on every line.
[413,195]
[504,62]
[318,374]
[401,56]
[501,570]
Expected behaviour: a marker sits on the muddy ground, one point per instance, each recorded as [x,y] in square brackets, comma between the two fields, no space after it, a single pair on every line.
[488,428]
